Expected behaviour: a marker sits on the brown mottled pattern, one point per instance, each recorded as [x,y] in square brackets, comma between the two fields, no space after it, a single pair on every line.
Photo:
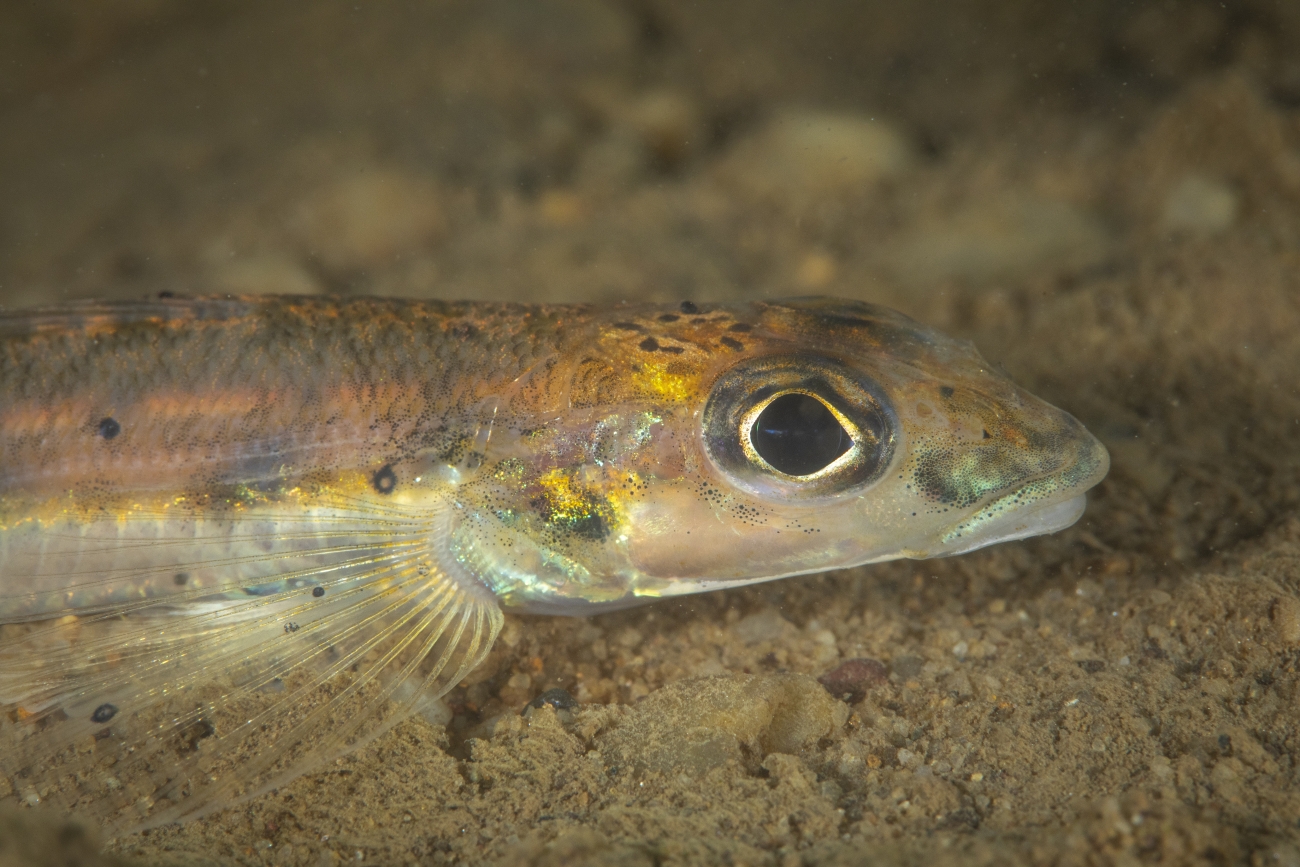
[233,389]
[217,390]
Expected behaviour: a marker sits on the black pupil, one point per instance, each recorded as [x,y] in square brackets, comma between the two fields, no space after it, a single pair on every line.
[798,435]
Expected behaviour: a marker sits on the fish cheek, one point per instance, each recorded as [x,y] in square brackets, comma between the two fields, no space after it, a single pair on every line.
[706,532]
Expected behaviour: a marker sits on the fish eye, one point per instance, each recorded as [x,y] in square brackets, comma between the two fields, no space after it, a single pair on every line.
[798,435]
[798,427]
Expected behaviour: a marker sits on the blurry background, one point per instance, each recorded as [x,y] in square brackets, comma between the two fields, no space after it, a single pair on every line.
[580,149]
[1104,195]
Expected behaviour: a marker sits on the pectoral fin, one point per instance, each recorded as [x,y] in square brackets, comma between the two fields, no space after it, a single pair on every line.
[141,713]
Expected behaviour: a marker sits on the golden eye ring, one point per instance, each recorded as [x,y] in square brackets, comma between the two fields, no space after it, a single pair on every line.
[831,431]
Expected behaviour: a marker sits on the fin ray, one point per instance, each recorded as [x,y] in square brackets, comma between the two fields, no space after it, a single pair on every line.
[142,712]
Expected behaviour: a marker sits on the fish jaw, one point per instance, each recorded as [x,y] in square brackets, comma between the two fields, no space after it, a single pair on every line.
[1043,506]
[1010,526]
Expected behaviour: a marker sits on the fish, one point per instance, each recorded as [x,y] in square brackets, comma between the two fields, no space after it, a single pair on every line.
[240,536]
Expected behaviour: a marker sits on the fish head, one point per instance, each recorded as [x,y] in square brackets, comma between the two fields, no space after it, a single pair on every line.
[782,438]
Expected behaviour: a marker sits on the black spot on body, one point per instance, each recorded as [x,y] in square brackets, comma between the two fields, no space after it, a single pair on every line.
[740,327]
[384,480]
[180,579]
[672,350]
[628,326]
[318,592]
[591,527]
[946,391]
[689,308]
[108,428]
[669,317]
[732,343]
[986,435]
[104,713]
[649,344]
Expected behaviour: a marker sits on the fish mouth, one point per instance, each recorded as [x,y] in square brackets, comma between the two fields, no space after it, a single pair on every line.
[1041,504]
[1004,520]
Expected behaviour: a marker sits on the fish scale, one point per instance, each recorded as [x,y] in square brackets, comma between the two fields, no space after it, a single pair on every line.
[240,536]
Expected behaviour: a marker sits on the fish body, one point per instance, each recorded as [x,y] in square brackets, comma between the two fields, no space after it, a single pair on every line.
[239,536]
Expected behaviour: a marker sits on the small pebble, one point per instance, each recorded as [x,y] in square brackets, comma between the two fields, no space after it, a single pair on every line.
[765,625]
[907,667]
[999,239]
[669,125]
[265,274]
[368,216]
[1200,205]
[1285,614]
[556,698]
[851,679]
[802,153]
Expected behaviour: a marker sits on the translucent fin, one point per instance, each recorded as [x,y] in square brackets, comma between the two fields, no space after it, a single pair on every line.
[141,712]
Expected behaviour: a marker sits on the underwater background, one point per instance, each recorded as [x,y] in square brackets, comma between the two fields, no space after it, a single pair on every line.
[1104,196]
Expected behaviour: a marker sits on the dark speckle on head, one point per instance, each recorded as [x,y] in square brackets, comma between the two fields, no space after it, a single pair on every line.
[591,527]
[318,591]
[108,428]
[672,350]
[180,579]
[385,480]
[732,343]
[650,344]
[689,308]
[669,317]
[104,713]
[946,390]
[628,326]
[741,327]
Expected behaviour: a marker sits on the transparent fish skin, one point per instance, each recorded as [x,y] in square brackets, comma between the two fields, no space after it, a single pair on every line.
[239,536]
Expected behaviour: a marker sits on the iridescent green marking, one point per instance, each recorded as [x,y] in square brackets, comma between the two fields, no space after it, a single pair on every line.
[1013,502]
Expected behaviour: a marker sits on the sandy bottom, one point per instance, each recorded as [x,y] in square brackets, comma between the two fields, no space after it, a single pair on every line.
[1106,199]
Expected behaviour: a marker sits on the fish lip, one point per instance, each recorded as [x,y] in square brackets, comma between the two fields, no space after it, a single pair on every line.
[1051,516]
[1062,504]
